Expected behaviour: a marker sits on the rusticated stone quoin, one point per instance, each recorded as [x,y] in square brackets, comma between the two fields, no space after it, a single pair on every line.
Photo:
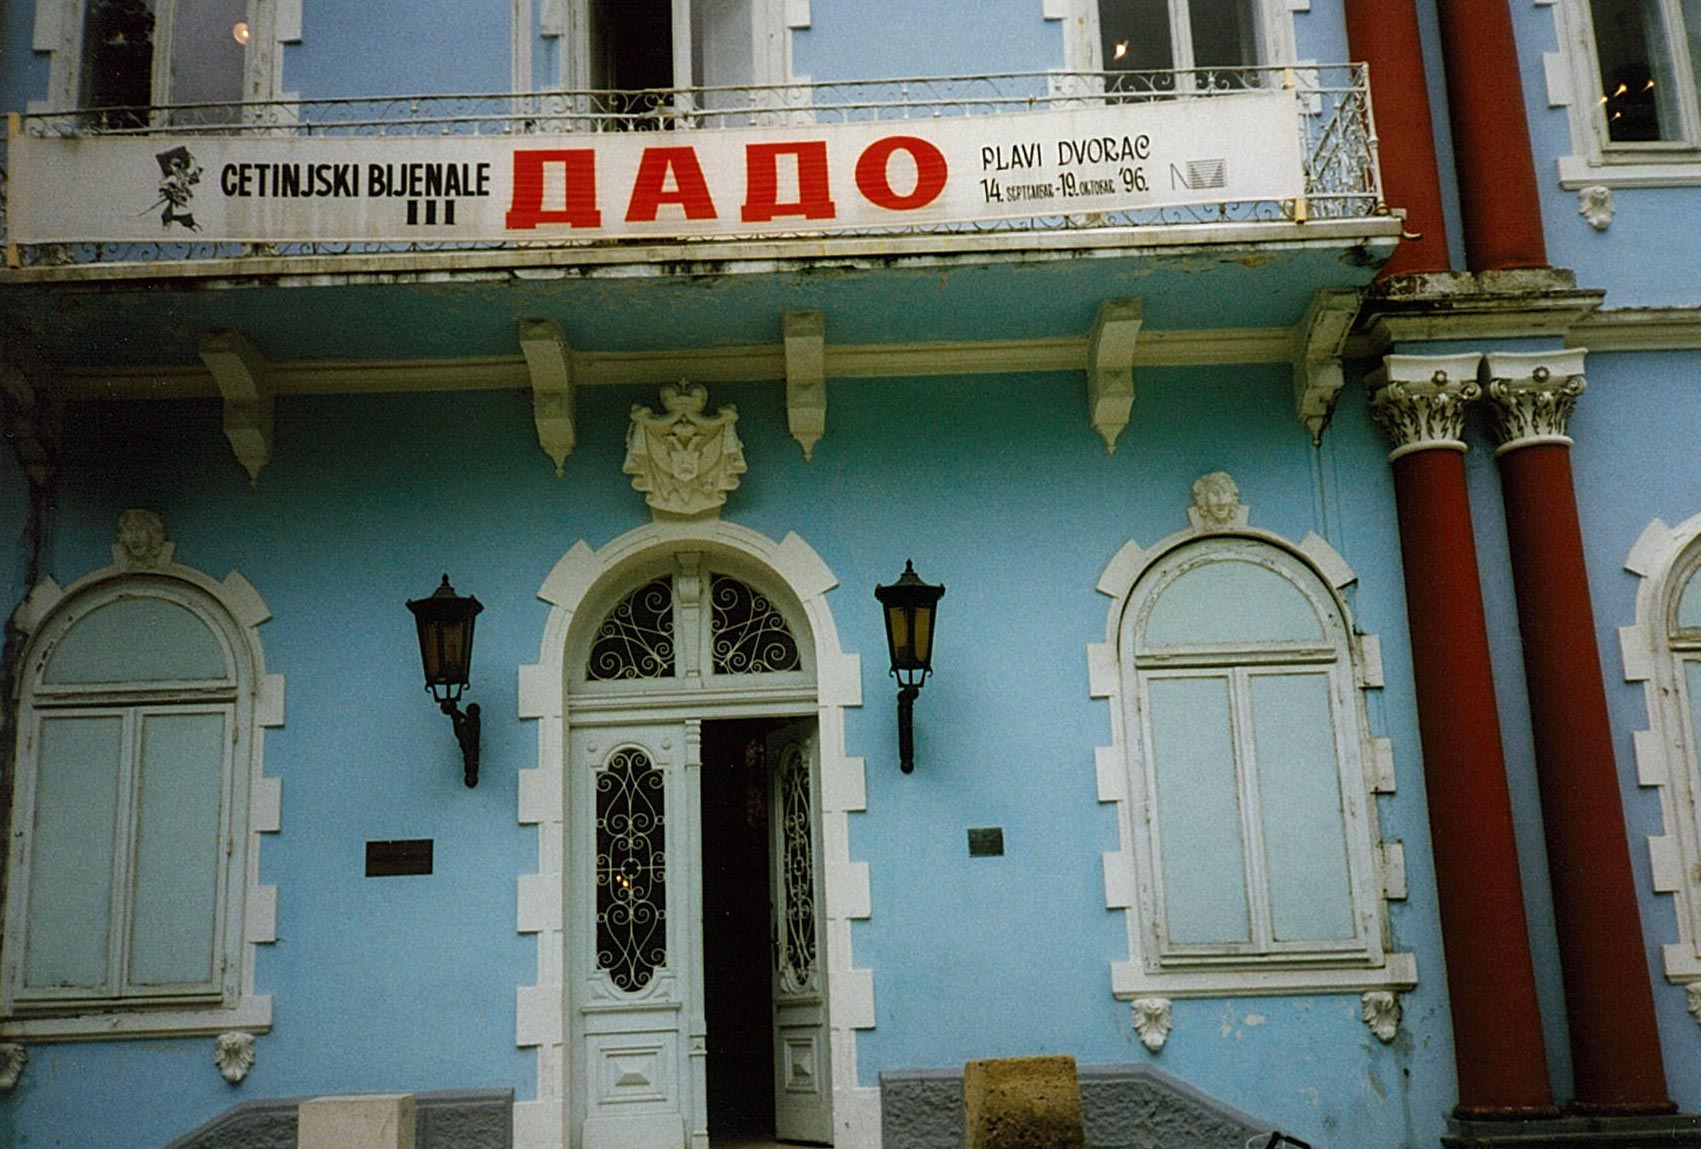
[1022,1103]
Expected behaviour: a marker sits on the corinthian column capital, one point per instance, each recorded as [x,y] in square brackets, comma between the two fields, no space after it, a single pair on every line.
[1420,400]
[1531,395]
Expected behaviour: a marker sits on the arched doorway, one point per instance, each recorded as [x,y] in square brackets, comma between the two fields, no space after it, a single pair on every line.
[697,748]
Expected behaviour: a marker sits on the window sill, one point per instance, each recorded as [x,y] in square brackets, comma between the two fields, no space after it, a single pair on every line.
[1664,170]
[253,1014]
[1129,980]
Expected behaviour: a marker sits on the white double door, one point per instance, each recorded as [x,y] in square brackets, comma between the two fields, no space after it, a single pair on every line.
[635,936]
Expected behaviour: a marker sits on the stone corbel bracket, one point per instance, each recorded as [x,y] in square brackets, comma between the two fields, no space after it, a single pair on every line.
[1110,368]
[550,363]
[1319,339]
[1381,1012]
[806,378]
[1153,1019]
[243,379]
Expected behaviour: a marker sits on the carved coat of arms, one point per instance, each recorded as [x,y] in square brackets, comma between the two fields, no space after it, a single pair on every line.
[684,461]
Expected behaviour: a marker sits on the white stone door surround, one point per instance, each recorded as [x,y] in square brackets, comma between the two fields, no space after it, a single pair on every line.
[584,583]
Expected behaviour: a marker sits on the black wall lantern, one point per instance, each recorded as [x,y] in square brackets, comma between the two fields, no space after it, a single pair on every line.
[445,622]
[910,607]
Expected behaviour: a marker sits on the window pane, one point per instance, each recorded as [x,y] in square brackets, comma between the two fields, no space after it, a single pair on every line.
[76,809]
[1305,845]
[1135,35]
[207,62]
[635,640]
[631,869]
[1692,683]
[118,59]
[1231,602]
[1689,606]
[177,849]
[748,633]
[1637,94]
[1204,872]
[137,640]
[1224,34]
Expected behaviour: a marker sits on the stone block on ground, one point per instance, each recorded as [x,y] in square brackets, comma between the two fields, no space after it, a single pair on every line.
[1022,1103]
[357,1121]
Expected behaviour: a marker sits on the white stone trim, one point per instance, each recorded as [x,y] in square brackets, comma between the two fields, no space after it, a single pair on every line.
[256,809]
[1130,886]
[578,584]
[1665,762]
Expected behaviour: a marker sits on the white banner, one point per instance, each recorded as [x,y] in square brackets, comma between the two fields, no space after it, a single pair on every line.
[269,188]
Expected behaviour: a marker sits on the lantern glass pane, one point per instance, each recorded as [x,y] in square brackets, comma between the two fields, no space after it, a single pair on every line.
[898,634]
[923,652]
[454,666]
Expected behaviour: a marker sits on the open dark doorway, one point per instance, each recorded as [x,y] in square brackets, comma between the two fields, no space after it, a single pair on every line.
[738,929]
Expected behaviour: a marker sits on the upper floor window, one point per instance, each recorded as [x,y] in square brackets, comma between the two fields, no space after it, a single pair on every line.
[1173,35]
[643,51]
[137,761]
[1249,770]
[121,58]
[1630,82]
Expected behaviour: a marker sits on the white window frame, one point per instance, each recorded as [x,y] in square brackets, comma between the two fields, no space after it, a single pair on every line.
[245,910]
[1376,868]
[1573,82]
[1082,51]
[59,33]
[1667,758]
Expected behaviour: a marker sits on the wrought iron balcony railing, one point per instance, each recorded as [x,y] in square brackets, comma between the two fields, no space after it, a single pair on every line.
[1337,139]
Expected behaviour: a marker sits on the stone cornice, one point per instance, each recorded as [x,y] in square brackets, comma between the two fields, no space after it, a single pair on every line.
[1531,395]
[1438,306]
[1420,400]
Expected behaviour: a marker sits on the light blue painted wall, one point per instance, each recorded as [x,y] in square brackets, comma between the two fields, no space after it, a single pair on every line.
[876,39]
[384,48]
[1007,498]
[23,74]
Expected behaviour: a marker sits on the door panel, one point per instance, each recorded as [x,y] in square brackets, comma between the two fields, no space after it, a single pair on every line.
[802,1079]
[630,898]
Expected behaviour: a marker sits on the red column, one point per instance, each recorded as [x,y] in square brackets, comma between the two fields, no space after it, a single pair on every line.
[1615,1042]
[1384,35]
[1491,137]
[1502,1065]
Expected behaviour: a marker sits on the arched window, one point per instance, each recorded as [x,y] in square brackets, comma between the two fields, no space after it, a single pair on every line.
[137,778]
[1251,860]
[1663,651]
[1244,721]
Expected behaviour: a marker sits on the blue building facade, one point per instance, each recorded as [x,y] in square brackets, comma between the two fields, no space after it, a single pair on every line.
[708,321]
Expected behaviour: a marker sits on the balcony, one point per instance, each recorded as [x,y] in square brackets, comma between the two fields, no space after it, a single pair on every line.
[1327,112]
[1227,204]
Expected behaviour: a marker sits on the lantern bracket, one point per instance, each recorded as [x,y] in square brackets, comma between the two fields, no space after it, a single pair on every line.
[466,733]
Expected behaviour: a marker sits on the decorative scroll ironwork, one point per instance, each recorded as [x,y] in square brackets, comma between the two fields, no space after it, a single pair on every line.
[797,872]
[1338,138]
[748,633]
[635,639]
[631,869]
